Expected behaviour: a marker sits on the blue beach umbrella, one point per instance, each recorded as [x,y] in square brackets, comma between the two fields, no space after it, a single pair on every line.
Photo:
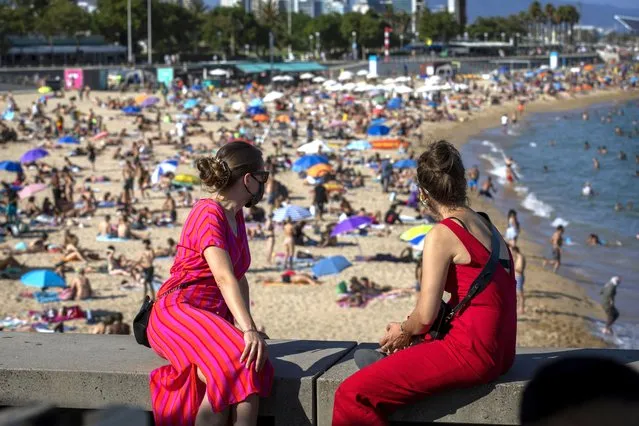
[405,163]
[42,278]
[295,213]
[131,110]
[191,103]
[360,145]
[378,122]
[379,130]
[254,110]
[211,109]
[308,161]
[11,166]
[257,102]
[330,266]
[69,140]
[395,103]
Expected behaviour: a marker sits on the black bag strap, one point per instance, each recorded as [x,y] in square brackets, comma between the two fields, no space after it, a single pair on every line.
[484,276]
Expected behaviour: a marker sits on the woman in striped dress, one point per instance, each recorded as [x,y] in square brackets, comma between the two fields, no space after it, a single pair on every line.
[217,370]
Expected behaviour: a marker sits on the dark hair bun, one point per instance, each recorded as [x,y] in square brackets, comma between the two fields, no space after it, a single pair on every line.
[214,173]
[440,171]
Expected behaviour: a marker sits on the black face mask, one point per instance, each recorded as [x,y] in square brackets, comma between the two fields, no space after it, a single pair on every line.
[257,197]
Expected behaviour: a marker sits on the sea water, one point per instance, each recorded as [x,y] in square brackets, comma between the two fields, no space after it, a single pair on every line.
[545,197]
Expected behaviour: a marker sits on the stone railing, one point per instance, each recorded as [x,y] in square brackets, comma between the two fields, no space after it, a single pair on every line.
[88,372]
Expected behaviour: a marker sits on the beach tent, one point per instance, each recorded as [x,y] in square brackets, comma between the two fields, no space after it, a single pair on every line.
[314,147]
[295,213]
[11,166]
[360,145]
[42,278]
[379,130]
[308,161]
[33,155]
[330,266]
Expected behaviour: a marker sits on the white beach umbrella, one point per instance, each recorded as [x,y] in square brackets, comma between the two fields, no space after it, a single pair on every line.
[272,96]
[318,80]
[362,73]
[372,76]
[306,76]
[349,86]
[218,72]
[402,79]
[162,168]
[334,88]
[402,90]
[433,80]
[345,75]
[315,147]
[238,106]
[388,81]
[329,83]
[283,78]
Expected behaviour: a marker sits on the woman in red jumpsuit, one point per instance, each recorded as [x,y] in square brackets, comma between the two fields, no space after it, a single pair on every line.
[480,345]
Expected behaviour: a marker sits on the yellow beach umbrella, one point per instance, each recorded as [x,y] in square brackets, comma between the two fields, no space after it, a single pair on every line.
[319,170]
[44,90]
[415,232]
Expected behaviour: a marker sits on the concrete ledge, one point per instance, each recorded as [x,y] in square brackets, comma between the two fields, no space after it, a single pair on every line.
[495,403]
[87,371]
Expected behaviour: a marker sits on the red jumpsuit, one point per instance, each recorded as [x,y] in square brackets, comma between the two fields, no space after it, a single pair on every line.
[478,349]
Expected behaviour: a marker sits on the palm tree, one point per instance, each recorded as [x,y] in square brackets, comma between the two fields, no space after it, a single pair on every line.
[571,17]
[536,16]
[549,14]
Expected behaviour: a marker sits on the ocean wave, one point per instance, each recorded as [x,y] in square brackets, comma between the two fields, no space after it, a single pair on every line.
[533,144]
[559,221]
[626,335]
[493,147]
[521,190]
[536,206]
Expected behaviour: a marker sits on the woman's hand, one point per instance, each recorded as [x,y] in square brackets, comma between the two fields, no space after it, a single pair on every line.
[255,350]
[394,339]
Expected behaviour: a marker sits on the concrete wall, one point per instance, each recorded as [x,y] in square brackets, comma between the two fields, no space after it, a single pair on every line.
[89,372]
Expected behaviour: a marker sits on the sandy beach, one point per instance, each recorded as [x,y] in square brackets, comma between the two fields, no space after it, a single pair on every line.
[559,314]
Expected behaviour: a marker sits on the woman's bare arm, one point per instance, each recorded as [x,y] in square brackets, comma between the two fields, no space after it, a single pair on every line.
[435,263]
[222,269]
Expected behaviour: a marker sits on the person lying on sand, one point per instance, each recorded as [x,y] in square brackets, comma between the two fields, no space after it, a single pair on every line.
[292,277]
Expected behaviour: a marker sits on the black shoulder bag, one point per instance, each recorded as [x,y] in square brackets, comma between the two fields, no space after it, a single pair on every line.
[141,320]
[441,326]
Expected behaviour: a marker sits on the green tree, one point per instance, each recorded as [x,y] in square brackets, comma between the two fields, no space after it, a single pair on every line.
[440,26]
[62,17]
[110,20]
[173,28]
[571,18]
[329,28]
[549,20]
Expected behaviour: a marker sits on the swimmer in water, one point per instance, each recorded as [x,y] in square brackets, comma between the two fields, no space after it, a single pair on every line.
[586,146]
[618,131]
[546,170]
[585,116]
[618,207]
[595,163]
[587,190]
[593,240]
[473,178]
[552,142]
[622,156]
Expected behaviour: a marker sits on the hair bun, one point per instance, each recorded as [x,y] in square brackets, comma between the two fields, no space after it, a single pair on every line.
[214,172]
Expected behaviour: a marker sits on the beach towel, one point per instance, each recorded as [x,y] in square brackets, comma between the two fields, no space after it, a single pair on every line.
[46,296]
[105,204]
[108,239]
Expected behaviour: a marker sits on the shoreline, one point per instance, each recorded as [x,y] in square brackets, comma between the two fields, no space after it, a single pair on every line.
[559,313]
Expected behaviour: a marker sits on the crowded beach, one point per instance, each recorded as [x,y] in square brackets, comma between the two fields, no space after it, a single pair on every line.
[97,185]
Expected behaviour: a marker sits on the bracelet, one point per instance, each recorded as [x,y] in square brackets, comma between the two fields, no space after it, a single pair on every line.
[249,330]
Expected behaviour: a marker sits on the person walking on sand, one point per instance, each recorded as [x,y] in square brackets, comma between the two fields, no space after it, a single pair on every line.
[289,243]
[217,371]
[608,295]
[520,266]
[146,264]
[556,241]
[269,234]
[128,174]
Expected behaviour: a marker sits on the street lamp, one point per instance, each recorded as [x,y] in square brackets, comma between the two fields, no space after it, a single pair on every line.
[128,31]
[503,37]
[354,34]
[401,41]
[317,43]
[148,25]
[485,36]
[310,44]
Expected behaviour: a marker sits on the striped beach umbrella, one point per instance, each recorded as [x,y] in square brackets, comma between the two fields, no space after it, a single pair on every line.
[295,213]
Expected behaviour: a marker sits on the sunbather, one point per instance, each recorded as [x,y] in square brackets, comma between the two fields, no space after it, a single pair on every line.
[291,277]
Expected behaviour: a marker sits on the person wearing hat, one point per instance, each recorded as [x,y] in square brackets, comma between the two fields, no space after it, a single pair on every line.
[608,294]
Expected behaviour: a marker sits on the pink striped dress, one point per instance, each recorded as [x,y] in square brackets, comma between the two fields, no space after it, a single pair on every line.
[193,326]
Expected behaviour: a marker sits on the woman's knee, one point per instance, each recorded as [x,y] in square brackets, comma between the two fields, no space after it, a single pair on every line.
[200,375]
